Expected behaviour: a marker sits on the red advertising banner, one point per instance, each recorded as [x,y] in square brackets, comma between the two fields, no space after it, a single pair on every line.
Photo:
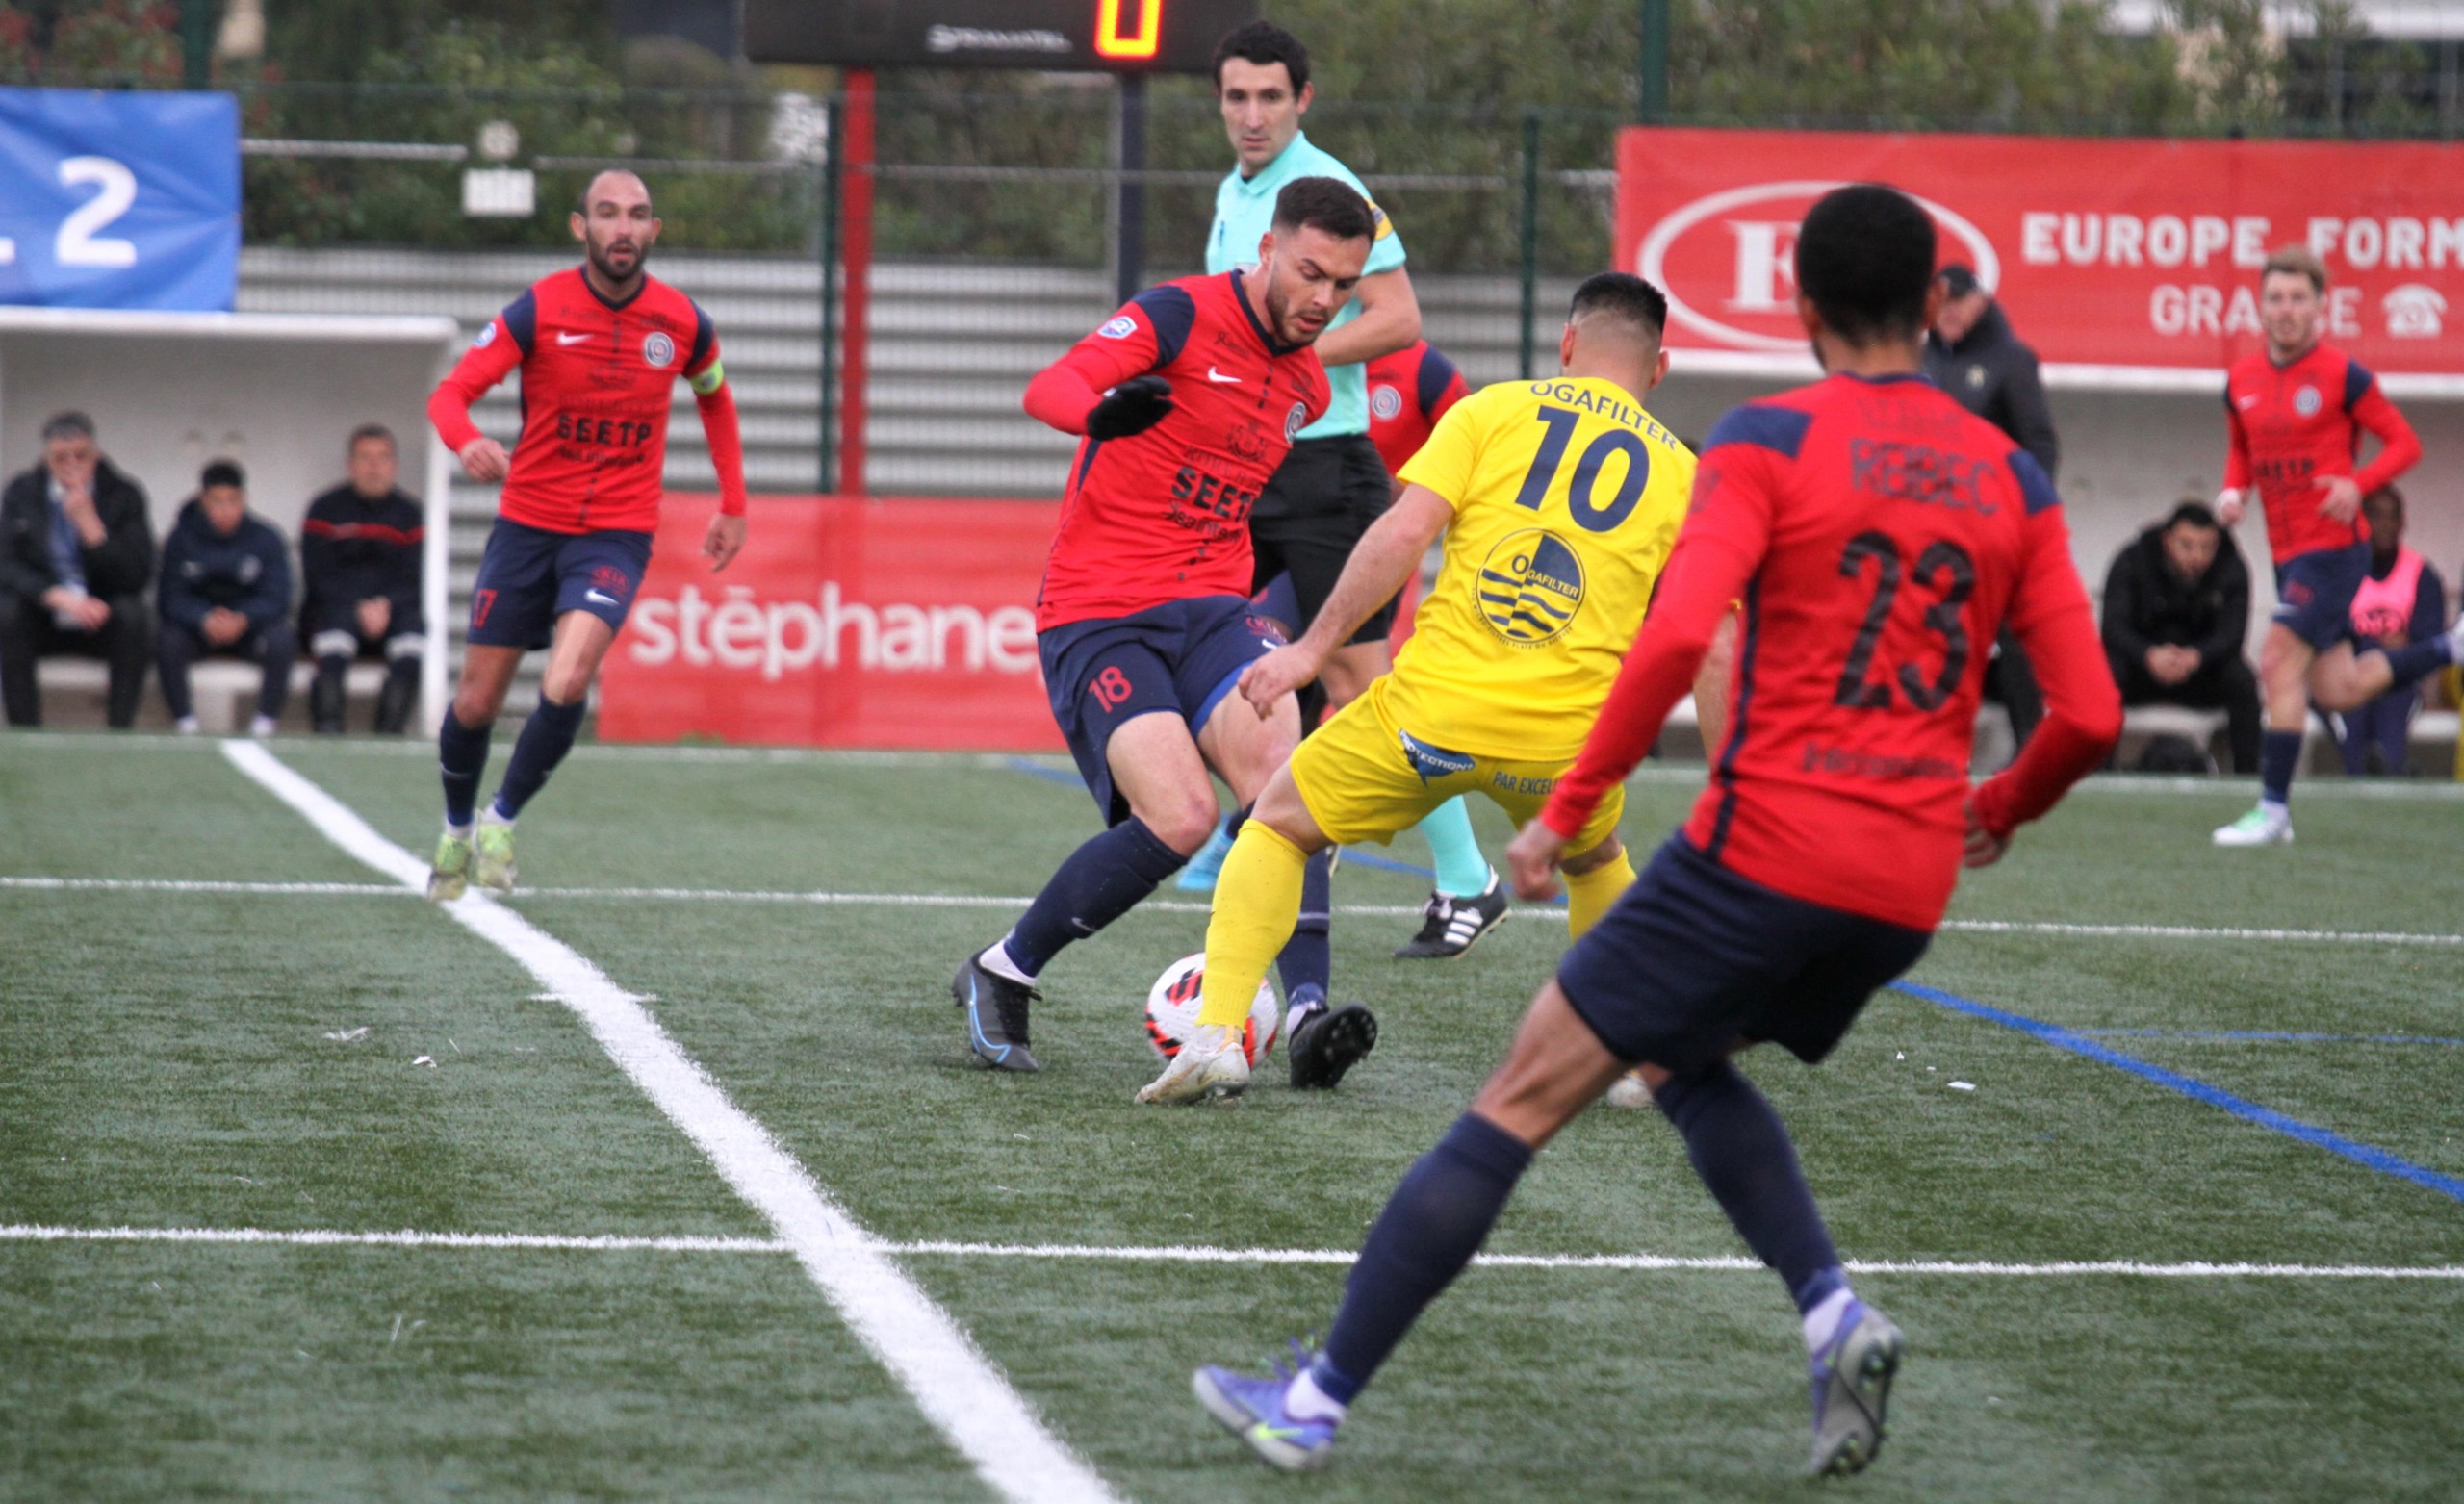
[2105,252]
[846,621]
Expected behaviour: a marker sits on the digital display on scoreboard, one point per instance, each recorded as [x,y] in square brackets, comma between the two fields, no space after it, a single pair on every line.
[1060,36]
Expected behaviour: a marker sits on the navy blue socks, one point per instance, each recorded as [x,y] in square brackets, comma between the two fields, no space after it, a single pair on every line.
[2415,661]
[1432,1225]
[545,739]
[461,757]
[2279,754]
[1307,962]
[1743,1156]
[1100,881]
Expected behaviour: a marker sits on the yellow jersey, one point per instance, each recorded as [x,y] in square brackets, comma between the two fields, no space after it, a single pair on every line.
[1566,499]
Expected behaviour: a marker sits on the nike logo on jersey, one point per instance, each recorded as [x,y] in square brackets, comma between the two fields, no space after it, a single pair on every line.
[570,339]
[600,597]
[2246,401]
[1212,374]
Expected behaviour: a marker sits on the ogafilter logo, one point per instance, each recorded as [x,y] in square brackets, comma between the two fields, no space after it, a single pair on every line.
[1728,261]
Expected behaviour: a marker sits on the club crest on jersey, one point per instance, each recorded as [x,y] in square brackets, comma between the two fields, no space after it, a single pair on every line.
[1120,328]
[1530,587]
[2306,402]
[658,350]
[1295,420]
[1385,402]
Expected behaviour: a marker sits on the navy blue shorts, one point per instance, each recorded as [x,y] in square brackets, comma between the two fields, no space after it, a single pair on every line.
[529,576]
[1183,656]
[2314,593]
[1694,958]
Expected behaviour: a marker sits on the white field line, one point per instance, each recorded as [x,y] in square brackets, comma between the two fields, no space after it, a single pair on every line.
[955,1385]
[2388,790]
[1169,1254]
[829,899]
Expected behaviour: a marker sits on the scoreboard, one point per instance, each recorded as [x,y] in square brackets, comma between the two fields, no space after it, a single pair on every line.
[1059,36]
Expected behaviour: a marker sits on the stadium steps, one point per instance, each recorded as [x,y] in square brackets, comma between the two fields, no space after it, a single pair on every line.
[953,345]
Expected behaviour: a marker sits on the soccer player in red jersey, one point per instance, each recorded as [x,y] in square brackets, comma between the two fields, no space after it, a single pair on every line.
[2296,414]
[1189,397]
[1878,535]
[600,348]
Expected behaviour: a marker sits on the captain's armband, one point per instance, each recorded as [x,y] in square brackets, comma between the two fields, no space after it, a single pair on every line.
[709,380]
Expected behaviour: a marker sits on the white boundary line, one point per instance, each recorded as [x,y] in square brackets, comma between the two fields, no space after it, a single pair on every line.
[319,1238]
[955,1385]
[2394,790]
[829,899]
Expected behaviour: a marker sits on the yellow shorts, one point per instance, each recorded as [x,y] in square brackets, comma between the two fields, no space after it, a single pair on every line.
[1364,778]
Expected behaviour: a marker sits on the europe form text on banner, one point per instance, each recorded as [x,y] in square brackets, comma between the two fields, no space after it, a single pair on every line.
[2134,253]
[123,199]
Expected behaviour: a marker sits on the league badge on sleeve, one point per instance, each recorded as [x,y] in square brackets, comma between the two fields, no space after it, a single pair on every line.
[1120,328]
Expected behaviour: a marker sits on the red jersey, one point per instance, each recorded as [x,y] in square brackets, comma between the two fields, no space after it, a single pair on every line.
[1409,390]
[1878,535]
[596,380]
[2293,425]
[1164,515]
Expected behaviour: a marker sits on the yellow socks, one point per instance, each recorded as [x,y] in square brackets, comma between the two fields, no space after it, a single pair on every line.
[1589,894]
[1257,901]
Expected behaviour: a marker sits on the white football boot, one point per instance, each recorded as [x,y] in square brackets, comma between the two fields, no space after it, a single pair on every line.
[1213,1066]
[2268,825]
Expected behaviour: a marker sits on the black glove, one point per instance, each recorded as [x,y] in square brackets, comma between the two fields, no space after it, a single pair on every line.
[1132,407]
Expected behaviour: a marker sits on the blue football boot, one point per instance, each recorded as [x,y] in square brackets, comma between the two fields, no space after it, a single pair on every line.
[1199,871]
[1852,1378]
[1252,1410]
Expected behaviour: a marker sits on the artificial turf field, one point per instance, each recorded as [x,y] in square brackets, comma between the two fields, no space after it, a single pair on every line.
[243,1055]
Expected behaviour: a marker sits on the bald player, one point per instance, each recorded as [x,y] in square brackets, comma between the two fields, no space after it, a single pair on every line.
[601,347]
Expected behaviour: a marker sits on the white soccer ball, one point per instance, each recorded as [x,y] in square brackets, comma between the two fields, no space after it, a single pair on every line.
[1172,1005]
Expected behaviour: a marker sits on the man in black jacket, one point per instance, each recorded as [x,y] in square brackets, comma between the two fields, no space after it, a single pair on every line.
[226,589]
[359,556]
[1971,353]
[2177,610]
[76,556]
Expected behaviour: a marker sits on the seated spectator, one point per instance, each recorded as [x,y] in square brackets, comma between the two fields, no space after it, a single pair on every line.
[2177,608]
[359,558]
[2403,601]
[76,556]
[226,589]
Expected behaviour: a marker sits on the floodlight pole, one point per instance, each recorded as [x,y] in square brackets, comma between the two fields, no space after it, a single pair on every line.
[1651,92]
[1129,189]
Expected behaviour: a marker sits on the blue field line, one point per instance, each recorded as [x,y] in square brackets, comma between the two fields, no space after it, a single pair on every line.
[2273,1036]
[1035,769]
[2078,1043]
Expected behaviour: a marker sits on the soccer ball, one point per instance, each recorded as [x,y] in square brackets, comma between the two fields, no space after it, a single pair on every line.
[1172,1005]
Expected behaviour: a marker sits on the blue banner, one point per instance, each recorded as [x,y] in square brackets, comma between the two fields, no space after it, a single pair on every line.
[118,201]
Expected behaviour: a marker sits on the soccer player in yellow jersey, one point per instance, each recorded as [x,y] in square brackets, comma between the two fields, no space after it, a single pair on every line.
[1560,500]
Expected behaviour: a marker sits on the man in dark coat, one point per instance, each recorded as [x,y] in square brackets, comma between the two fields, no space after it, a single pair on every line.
[359,556]
[76,556]
[1971,353]
[2177,613]
[226,589]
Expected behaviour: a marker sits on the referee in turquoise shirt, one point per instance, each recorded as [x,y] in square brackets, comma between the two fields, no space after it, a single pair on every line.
[1332,485]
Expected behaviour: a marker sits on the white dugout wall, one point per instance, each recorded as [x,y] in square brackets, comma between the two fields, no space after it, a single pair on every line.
[279,392]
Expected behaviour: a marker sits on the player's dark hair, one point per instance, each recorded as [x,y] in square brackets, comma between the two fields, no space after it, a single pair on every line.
[70,425]
[2393,497]
[1866,256]
[1329,205]
[221,473]
[2193,511]
[1624,297]
[1263,43]
[367,431]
